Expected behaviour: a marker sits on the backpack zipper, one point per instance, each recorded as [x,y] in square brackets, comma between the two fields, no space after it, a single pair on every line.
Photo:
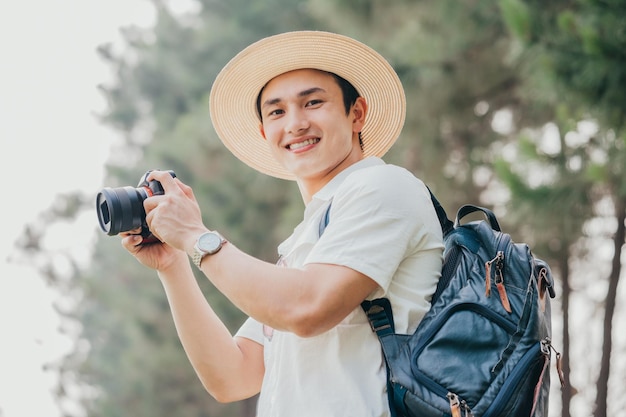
[455,404]
[502,243]
[499,279]
[458,405]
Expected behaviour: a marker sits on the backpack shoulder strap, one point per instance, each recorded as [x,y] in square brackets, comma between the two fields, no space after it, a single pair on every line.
[446,224]
[379,315]
[325,219]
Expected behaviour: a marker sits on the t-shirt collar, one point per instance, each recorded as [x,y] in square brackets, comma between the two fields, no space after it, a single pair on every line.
[329,190]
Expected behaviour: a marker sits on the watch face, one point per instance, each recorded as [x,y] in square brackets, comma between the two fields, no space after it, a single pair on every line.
[209,242]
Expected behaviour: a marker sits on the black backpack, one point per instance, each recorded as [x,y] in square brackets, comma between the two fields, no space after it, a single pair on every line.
[484,348]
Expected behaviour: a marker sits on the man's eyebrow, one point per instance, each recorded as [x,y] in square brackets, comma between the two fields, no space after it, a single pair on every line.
[310,91]
[303,93]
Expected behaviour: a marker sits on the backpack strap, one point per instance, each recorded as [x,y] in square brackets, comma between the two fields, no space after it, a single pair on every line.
[379,314]
[447,225]
[469,208]
[325,219]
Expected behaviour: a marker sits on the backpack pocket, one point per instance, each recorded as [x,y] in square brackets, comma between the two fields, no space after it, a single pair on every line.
[442,380]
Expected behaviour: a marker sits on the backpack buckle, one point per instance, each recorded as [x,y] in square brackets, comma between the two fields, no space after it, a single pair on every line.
[378,319]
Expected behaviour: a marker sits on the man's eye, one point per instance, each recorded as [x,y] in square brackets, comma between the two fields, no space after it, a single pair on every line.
[275,112]
[313,102]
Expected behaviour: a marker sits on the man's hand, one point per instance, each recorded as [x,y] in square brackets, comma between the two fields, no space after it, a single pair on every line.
[156,255]
[174,217]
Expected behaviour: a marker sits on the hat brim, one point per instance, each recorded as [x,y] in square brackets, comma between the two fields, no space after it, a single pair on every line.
[234,93]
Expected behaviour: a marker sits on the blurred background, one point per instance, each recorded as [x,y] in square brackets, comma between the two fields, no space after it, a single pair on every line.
[516,105]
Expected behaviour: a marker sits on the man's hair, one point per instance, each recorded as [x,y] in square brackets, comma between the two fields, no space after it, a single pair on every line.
[350,94]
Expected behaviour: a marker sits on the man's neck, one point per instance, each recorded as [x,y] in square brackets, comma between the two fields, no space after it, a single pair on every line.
[309,187]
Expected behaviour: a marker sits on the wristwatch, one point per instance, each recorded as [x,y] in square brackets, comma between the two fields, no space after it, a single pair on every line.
[208,243]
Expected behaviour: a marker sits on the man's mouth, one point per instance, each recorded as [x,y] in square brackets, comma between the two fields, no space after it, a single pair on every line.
[296,146]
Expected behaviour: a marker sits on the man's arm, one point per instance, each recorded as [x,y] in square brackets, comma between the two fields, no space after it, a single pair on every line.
[305,301]
[230,368]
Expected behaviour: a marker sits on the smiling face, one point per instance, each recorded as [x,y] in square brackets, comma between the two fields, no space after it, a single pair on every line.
[305,124]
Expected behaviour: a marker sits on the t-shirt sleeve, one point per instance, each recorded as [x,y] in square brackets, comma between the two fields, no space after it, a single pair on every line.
[251,329]
[378,217]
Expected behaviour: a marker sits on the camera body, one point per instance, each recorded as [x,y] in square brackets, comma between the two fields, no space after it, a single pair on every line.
[121,209]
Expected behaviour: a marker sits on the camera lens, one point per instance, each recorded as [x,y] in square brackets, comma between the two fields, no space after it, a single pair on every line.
[120,209]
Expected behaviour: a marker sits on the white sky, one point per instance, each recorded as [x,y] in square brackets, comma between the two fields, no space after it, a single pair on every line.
[50,142]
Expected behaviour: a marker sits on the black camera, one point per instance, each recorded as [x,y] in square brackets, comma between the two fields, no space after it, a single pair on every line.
[121,209]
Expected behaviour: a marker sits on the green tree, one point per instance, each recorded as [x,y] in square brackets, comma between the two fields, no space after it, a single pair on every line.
[583,48]
[554,180]
[460,70]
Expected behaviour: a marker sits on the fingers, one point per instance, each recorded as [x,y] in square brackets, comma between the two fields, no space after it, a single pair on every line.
[171,217]
[170,186]
[165,178]
[131,242]
[186,189]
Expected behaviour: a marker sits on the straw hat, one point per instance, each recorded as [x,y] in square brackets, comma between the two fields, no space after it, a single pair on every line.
[235,90]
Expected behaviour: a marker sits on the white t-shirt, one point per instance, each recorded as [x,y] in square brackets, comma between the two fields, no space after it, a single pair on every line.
[382,224]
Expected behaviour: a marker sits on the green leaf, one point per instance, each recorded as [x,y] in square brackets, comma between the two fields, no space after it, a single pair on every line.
[517,18]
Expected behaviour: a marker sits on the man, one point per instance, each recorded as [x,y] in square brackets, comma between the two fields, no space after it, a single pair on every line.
[320,109]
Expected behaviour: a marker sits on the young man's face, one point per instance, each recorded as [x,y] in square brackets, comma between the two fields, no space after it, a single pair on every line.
[306,126]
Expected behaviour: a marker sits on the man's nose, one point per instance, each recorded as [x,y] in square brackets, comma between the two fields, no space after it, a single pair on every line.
[297,122]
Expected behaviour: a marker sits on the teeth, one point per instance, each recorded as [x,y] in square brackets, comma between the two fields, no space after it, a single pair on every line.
[302,144]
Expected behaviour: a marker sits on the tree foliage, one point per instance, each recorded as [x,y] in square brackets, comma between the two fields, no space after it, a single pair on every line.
[583,49]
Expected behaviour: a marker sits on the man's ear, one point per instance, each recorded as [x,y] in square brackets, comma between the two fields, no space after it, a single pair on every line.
[262,131]
[359,112]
